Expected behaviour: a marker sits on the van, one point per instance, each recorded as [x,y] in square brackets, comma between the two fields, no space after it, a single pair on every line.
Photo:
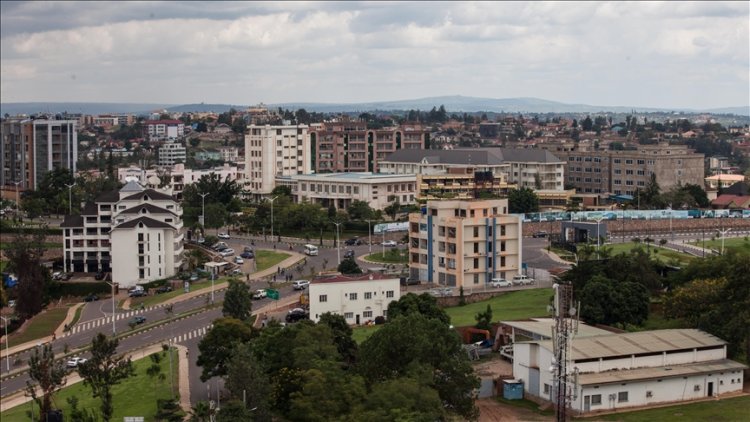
[311,250]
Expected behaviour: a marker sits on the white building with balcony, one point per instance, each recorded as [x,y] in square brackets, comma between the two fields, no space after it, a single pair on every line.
[135,233]
[171,153]
[272,151]
[358,299]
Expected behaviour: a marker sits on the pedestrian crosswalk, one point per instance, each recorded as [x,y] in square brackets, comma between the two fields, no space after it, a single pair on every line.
[198,332]
[94,323]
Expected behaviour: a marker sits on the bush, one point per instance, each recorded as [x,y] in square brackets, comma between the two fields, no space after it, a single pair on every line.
[58,290]
[379,320]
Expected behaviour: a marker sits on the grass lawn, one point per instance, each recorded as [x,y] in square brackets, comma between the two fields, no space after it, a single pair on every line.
[739,244]
[733,409]
[267,259]
[157,299]
[659,253]
[46,245]
[76,317]
[42,325]
[392,256]
[362,333]
[509,306]
[136,396]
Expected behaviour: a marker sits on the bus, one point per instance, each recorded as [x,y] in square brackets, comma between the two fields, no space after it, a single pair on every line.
[311,250]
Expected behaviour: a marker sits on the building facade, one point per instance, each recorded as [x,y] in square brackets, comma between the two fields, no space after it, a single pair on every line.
[461,183]
[359,299]
[348,146]
[340,189]
[464,243]
[171,153]
[177,176]
[272,151]
[161,130]
[32,147]
[135,233]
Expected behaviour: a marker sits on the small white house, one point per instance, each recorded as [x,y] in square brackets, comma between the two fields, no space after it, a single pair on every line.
[358,299]
[617,371]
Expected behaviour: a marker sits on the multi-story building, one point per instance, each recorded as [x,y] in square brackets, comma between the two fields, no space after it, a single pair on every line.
[348,146]
[229,154]
[461,183]
[340,189]
[272,151]
[464,243]
[531,168]
[358,299]
[159,130]
[32,147]
[171,153]
[135,233]
[622,172]
[178,176]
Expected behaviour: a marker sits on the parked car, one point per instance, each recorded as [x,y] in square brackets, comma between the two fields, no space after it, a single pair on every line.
[137,293]
[219,245]
[100,275]
[500,282]
[541,234]
[296,314]
[390,243]
[194,277]
[75,361]
[349,254]
[239,260]
[227,252]
[409,281]
[164,289]
[223,236]
[260,294]
[353,241]
[247,255]
[237,271]
[67,276]
[138,319]
[57,275]
[300,284]
[91,298]
[522,280]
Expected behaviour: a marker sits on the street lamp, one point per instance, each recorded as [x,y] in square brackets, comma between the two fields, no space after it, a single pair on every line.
[338,241]
[723,235]
[70,197]
[114,330]
[598,236]
[671,233]
[369,234]
[203,212]
[7,355]
[272,199]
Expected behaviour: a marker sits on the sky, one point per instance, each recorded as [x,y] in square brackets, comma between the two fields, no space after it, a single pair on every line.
[644,54]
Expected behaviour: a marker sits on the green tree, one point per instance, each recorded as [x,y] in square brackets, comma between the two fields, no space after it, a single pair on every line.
[359,210]
[484,319]
[349,267]
[47,375]
[234,411]
[104,370]
[521,201]
[282,191]
[24,256]
[247,381]
[238,301]
[216,346]
[168,410]
[201,412]
[342,336]
[424,304]
[604,301]
[327,394]
[402,399]
[393,209]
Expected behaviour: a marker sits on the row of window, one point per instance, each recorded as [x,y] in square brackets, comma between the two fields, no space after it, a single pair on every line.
[354,296]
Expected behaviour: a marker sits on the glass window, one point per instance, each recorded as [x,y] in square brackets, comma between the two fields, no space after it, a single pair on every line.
[622,397]
[323,298]
[368,295]
[596,399]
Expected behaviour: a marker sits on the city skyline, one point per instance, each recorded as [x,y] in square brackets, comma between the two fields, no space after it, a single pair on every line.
[663,55]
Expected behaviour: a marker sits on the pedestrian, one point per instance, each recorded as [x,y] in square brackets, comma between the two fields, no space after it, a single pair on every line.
[274,278]
[248,277]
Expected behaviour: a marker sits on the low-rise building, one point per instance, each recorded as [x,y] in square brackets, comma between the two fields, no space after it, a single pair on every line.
[462,183]
[177,176]
[359,299]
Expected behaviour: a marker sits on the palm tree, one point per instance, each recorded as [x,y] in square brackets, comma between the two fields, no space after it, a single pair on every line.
[201,412]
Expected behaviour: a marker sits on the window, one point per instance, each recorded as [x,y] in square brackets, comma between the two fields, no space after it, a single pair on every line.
[546,389]
[389,293]
[323,298]
[368,295]
[352,296]
[367,314]
[622,397]
[348,315]
[596,399]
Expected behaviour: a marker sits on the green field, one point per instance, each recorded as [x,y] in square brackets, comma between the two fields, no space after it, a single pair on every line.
[392,256]
[729,410]
[362,333]
[509,306]
[136,396]
[267,259]
[739,244]
[41,325]
[163,297]
[657,252]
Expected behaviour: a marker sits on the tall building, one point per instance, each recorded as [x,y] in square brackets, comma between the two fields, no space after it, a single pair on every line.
[32,147]
[159,130]
[464,243]
[272,151]
[348,146]
[135,233]
[171,153]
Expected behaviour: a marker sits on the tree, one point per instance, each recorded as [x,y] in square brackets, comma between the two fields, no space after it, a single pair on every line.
[359,210]
[587,124]
[201,412]
[216,346]
[79,415]
[349,267]
[25,254]
[393,209]
[424,304]
[484,319]
[47,375]
[342,336]
[154,371]
[282,190]
[168,410]
[247,381]
[104,370]
[606,302]
[522,201]
[402,399]
[238,301]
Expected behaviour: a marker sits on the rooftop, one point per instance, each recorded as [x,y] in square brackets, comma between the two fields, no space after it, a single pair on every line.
[544,326]
[473,156]
[352,176]
[620,376]
[148,222]
[340,278]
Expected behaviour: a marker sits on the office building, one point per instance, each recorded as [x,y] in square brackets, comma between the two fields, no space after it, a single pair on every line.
[272,151]
[171,153]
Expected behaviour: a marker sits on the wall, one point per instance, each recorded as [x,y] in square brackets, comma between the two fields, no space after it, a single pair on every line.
[652,228]
[338,301]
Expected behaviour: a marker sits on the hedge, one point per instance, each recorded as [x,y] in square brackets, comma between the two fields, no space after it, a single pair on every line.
[58,290]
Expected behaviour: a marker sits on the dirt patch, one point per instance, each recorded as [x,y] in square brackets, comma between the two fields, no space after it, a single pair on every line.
[490,410]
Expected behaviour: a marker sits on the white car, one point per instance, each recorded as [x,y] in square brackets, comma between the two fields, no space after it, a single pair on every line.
[389,243]
[522,279]
[227,252]
[238,260]
[260,294]
[500,282]
[223,236]
[300,284]
[74,362]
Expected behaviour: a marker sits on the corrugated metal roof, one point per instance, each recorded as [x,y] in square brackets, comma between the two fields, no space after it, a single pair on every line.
[474,156]
[543,326]
[626,375]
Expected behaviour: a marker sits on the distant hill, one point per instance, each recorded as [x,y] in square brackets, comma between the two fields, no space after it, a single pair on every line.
[456,103]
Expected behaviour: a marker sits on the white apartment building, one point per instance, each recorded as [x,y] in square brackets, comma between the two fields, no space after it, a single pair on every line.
[340,189]
[171,153]
[528,168]
[615,371]
[135,233]
[464,243]
[272,151]
[179,176]
[229,154]
[358,299]
[157,130]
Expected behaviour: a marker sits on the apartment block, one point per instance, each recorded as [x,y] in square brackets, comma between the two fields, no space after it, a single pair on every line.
[464,243]
[32,147]
[462,183]
[272,151]
[171,153]
[348,146]
[160,130]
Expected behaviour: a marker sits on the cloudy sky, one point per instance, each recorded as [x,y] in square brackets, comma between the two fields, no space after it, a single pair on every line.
[673,54]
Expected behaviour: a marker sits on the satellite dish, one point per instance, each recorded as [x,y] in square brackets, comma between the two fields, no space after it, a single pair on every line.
[572,312]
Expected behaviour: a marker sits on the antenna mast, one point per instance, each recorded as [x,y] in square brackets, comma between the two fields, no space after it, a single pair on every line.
[566,326]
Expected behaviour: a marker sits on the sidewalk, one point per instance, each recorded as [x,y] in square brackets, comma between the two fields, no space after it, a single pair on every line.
[42,340]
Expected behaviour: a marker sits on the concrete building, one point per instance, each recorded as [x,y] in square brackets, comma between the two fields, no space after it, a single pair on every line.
[178,175]
[348,146]
[340,189]
[531,168]
[272,151]
[358,299]
[461,183]
[464,243]
[160,130]
[135,233]
[622,172]
[171,153]
[617,371]
[229,154]
[30,148]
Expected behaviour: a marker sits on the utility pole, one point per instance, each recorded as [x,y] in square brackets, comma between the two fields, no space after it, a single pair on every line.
[723,235]
[338,241]
[369,234]
[203,212]
[70,198]
[272,199]
[566,326]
